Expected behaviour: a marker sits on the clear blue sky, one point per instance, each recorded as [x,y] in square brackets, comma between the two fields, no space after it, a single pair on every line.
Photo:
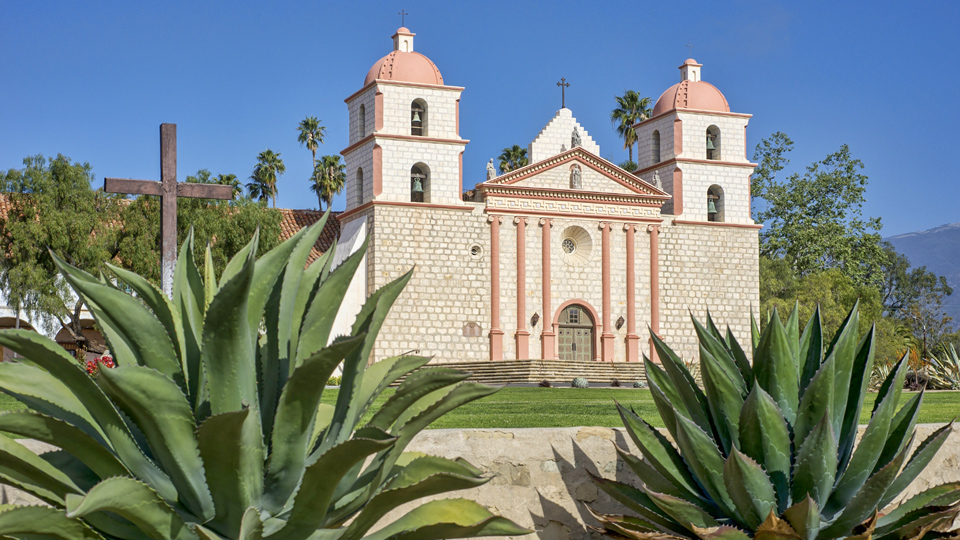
[93,80]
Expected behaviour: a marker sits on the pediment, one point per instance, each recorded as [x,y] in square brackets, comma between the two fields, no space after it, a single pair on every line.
[553,176]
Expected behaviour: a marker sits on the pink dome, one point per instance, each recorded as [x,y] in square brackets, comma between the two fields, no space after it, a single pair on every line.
[691,95]
[411,67]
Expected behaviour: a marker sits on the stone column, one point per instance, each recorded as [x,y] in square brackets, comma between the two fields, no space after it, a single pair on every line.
[496,334]
[548,338]
[654,231]
[522,336]
[632,341]
[606,338]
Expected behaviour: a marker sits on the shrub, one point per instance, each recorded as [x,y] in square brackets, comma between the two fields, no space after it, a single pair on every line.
[545,384]
[767,450]
[207,429]
[945,370]
[580,382]
[334,381]
[615,383]
[640,384]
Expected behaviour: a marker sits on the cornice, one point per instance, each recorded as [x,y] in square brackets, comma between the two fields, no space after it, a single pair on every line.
[387,136]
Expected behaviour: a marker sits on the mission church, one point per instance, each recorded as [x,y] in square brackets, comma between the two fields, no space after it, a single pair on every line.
[568,258]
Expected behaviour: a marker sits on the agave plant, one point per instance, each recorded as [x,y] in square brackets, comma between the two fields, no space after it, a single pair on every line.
[211,425]
[767,450]
[944,370]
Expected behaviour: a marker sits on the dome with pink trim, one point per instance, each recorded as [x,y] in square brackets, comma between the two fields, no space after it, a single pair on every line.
[403,64]
[691,93]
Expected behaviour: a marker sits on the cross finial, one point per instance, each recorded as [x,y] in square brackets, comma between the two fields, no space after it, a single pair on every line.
[563,84]
[402,13]
[690,49]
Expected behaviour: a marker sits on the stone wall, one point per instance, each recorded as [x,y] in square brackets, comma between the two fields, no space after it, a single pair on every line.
[733,135]
[556,136]
[707,267]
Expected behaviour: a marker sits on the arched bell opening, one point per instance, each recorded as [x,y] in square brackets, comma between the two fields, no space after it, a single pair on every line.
[419,183]
[418,117]
[715,203]
[713,142]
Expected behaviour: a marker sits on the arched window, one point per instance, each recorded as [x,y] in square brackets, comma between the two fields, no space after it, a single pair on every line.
[359,187]
[713,142]
[656,147]
[418,117]
[419,183]
[715,203]
[363,121]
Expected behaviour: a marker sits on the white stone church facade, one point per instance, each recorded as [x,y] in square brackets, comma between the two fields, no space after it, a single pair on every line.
[568,258]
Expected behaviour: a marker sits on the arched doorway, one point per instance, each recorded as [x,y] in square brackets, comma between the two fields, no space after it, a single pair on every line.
[575,334]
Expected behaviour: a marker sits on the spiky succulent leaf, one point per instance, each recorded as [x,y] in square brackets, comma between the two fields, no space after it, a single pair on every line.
[135,502]
[776,369]
[765,438]
[749,488]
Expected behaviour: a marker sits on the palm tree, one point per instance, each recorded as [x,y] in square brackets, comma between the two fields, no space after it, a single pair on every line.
[631,109]
[264,178]
[311,134]
[328,178]
[513,158]
[232,181]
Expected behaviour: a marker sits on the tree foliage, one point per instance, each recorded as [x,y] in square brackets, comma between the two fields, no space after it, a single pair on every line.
[513,157]
[328,179]
[263,181]
[631,109]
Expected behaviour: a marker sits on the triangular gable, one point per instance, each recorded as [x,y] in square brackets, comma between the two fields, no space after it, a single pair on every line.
[617,180]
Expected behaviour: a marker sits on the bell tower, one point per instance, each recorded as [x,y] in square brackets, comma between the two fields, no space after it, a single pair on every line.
[405,144]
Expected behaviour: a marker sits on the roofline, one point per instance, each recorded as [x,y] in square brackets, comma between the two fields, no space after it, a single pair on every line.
[693,111]
[375,82]
[374,136]
[675,161]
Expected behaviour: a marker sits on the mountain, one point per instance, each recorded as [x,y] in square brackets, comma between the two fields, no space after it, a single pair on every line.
[939,250]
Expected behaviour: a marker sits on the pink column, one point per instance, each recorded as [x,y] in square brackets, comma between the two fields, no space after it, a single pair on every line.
[632,339]
[523,336]
[654,231]
[496,335]
[548,343]
[606,338]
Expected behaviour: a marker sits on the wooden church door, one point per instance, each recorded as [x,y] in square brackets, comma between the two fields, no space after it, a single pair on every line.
[575,337]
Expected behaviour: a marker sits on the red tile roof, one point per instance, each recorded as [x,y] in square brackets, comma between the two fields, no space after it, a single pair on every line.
[294,220]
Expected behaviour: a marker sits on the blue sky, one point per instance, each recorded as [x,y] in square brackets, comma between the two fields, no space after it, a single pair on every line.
[94,80]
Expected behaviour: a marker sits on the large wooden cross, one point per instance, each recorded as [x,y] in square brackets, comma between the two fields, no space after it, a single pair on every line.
[168,189]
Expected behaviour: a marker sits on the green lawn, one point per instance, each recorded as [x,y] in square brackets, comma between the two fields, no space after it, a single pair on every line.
[515,407]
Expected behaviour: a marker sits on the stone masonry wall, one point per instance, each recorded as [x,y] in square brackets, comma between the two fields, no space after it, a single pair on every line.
[590,180]
[441,110]
[707,267]
[555,138]
[442,162]
[734,183]
[664,125]
[733,144]
[450,286]
[359,193]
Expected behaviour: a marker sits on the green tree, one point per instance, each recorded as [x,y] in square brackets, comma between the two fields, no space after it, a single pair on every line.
[771,158]
[631,109]
[263,181]
[204,176]
[328,179]
[53,207]
[512,158]
[814,220]
[310,134]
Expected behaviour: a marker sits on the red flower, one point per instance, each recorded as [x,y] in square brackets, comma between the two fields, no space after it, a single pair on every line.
[93,367]
[107,361]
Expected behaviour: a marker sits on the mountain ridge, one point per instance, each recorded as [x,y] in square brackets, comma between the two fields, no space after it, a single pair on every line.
[938,249]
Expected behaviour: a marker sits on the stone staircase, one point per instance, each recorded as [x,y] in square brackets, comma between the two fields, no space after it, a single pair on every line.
[558,372]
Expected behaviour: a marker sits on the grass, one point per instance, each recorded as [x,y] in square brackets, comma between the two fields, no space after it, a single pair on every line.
[515,407]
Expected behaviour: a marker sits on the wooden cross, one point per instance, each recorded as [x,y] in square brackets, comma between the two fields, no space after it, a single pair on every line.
[168,189]
[563,84]
[402,13]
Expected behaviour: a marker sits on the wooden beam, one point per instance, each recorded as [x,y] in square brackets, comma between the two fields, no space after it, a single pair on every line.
[132,187]
[204,191]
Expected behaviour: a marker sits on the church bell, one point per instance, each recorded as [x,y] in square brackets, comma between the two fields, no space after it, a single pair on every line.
[711,206]
[417,186]
[416,116]
[710,145]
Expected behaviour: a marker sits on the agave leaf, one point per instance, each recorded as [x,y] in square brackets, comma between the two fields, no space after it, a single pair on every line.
[134,501]
[377,377]
[703,457]
[638,501]
[238,263]
[804,517]
[942,495]
[231,446]
[630,527]
[319,319]
[743,363]
[811,349]
[659,452]
[774,528]
[294,420]
[415,386]
[724,532]
[749,488]
[844,349]
[653,479]
[792,326]
[56,432]
[21,468]
[776,370]
[686,387]
[131,330]
[659,382]
[311,502]
[42,522]
[754,332]
[816,464]
[765,438]
[81,475]
[859,384]
[189,299]
[722,356]
[918,523]
[667,408]
[918,461]
[101,418]
[422,477]
[901,430]
[448,518]
[871,445]
[210,285]
[267,271]
[142,393]
[461,394]
[865,502]
[686,514]
[724,398]
[299,295]
[227,345]
[816,401]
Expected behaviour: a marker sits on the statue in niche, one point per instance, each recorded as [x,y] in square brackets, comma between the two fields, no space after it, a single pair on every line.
[491,171]
[575,139]
[656,180]
[575,181]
